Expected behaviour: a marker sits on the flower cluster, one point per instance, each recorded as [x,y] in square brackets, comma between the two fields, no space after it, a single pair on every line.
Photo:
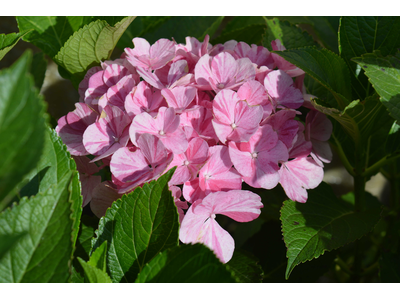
[220,114]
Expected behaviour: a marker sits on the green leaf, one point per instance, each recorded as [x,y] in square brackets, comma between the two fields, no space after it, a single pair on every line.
[290,35]
[22,126]
[393,139]
[251,34]
[325,67]
[88,46]
[8,241]
[361,35]
[98,257]
[8,41]
[137,227]
[384,74]
[186,264]
[195,26]
[95,268]
[324,223]
[49,33]
[45,253]
[93,274]
[389,265]
[38,69]
[240,22]
[245,267]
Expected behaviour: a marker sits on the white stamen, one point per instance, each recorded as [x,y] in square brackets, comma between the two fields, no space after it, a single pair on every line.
[186,163]
[233,125]
[161,132]
[220,86]
[213,216]
[254,155]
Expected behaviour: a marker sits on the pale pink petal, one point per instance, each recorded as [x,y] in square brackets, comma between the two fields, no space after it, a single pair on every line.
[224,106]
[298,175]
[202,72]
[179,97]
[253,92]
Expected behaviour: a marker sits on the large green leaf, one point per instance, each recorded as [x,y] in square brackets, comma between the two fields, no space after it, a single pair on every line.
[22,126]
[137,227]
[384,74]
[88,46]
[361,35]
[44,254]
[324,223]
[8,241]
[251,34]
[186,264]
[8,41]
[245,267]
[290,35]
[176,27]
[325,67]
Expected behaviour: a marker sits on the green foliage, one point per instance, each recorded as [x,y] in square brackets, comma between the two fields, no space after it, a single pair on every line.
[245,267]
[177,27]
[95,268]
[389,265]
[290,35]
[325,67]
[251,34]
[8,41]
[384,74]
[186,263]
[88,46]
[324,223]
[21,144]
[137,227]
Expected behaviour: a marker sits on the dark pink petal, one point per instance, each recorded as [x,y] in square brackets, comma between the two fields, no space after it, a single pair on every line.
[117,93]
[103,197]
[318,126]
[84,84]
[298,175]
[72,126]
[192,192]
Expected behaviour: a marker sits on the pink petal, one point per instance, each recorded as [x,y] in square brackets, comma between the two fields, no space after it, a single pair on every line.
[298,175]
[253,92]
[103,197]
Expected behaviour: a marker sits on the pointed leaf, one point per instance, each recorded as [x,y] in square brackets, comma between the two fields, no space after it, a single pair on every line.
[186,264]
[324,223]
[88,46]
[98,257]
[137,227]
[45,253]
[245,268]
[384,74]
[93,274]
[22,126]
[325,67]
[290,35]
[8,241]
[8,41]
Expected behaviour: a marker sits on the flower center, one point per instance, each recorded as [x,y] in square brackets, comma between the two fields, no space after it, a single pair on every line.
[213,216]
[161,132]
[207,176]
[220,86]
[186,162]
[254,155]
[233,125]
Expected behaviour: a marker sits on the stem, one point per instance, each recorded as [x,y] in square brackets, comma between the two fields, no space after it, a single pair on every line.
[359,193]
[379,164]
[343,157]
[343,265]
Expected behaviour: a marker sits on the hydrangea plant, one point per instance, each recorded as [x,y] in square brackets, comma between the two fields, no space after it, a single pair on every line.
[192,154]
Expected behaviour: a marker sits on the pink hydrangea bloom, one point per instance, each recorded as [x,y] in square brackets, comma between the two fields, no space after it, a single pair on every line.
[150,57]
[199,224]
[165,126]
[257,160]
[86,177]
[280,87]
[104,194]
[108,134]
[222,71]
[234,119]
[283,64]
[72,126]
